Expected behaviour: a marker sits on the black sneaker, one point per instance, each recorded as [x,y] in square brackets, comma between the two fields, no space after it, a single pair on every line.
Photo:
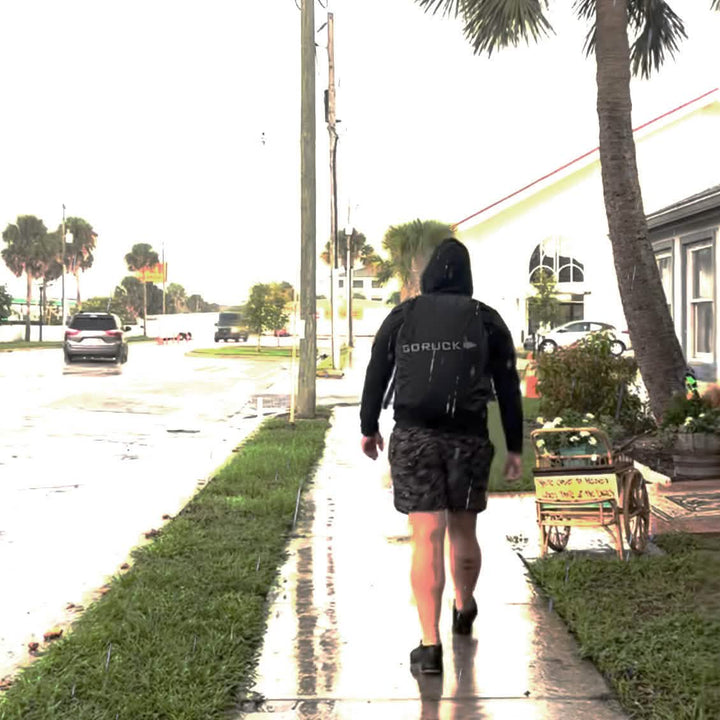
[426,659]
[463,619]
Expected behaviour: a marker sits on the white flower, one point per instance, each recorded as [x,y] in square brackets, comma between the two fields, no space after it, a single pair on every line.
[593,441]
[688,421]
[584,433]
[540,420]
[540,443]
[548,425]
[575,438]
[594,457]
[557,422]
[589,416]
[701,415]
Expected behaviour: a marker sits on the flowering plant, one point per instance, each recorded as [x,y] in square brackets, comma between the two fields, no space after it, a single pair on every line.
[575,441]
[692,414]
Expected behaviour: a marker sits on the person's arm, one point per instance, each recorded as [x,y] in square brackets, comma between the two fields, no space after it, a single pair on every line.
[379,372]
[506,381]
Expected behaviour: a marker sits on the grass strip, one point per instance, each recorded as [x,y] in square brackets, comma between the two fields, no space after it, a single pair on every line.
[651,625]
[266,353]
[497,481]
[53,344]
[178,635]
[31,345]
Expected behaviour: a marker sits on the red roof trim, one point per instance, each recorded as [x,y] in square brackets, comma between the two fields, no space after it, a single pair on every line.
[577,159]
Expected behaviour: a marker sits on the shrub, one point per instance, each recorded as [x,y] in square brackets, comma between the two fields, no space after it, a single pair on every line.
[693,414]
[587,378]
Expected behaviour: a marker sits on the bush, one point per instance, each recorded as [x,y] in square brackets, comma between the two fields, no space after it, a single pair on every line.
[692,414]
[588,378]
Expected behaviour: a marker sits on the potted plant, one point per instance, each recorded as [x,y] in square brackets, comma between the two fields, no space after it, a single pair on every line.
[692,424]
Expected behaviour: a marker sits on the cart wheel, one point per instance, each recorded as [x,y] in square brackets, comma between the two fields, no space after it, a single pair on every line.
[557,537]
[636,512]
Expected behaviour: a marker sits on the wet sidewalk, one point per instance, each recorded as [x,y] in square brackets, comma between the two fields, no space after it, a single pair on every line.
[342,619]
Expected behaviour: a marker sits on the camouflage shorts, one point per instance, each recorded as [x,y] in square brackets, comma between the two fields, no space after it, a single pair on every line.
[433,470]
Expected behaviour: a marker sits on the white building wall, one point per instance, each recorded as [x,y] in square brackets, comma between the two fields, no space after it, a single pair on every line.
[675,161]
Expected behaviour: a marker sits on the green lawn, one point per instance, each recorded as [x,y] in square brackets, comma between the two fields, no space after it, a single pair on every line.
[497,482]
[178,634]
[651,625]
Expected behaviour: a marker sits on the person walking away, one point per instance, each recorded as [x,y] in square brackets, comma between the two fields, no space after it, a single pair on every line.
[445,353]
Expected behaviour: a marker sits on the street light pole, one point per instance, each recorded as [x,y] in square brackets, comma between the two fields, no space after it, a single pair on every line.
[349,230]
[62,240]
[330,118]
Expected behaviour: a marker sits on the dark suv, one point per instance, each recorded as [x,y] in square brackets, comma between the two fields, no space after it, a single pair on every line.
[95,335]
[231,326]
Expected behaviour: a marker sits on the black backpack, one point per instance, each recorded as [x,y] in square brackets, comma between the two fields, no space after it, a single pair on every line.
[441,360]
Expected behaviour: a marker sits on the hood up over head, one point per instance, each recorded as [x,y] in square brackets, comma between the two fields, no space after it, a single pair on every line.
[448,270]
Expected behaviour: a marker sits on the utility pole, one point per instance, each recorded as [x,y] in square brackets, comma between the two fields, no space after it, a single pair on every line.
[164,274]
[62,240]
[349,232]
[331,123]
[308,251]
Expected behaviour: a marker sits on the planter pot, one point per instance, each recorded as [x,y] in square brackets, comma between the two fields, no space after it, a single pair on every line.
[696,456]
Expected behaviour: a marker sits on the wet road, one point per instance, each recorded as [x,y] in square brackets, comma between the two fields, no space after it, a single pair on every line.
[92,457]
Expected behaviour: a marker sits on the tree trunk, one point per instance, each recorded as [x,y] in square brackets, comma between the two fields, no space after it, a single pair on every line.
[652,333]
[77,287]
[28,301]
[411,287]
[145,309]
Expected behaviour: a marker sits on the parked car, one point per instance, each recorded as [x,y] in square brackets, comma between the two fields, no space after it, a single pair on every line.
[95,336]
[283,332]
[231,326]
[572,332]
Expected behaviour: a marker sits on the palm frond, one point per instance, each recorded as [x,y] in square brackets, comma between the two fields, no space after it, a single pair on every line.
[451,8]
[494,24]
[715,5]
[585,10]
[660,32]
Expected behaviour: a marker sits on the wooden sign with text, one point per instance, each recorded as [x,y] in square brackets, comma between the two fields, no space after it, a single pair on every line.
[576,488]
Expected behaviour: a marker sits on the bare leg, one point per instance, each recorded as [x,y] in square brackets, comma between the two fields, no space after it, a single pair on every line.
[427,573]
[465,556]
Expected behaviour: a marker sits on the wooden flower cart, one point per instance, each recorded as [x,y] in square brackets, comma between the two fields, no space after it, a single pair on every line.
[579,481]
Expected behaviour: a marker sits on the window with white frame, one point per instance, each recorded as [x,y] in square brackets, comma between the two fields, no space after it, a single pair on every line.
[701,299]
[664,260]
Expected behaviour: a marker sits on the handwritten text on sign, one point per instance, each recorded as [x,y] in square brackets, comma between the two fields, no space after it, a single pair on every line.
[576,488]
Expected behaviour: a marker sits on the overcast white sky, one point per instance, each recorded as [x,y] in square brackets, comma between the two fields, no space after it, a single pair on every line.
[147,117]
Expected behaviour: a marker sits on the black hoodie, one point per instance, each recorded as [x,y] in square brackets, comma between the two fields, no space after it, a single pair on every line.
[448,272]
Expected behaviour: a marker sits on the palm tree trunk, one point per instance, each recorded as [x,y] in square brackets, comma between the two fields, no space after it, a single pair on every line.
[28,301]
[145,309]
[77,286]
[656,346]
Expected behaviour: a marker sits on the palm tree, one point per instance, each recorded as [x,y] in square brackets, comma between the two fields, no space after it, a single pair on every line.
[656,31]
[141,256]
[409,246]
[79,253]
[27,252]
[360,250]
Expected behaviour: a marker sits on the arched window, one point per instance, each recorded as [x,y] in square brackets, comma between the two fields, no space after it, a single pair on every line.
[554,256]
